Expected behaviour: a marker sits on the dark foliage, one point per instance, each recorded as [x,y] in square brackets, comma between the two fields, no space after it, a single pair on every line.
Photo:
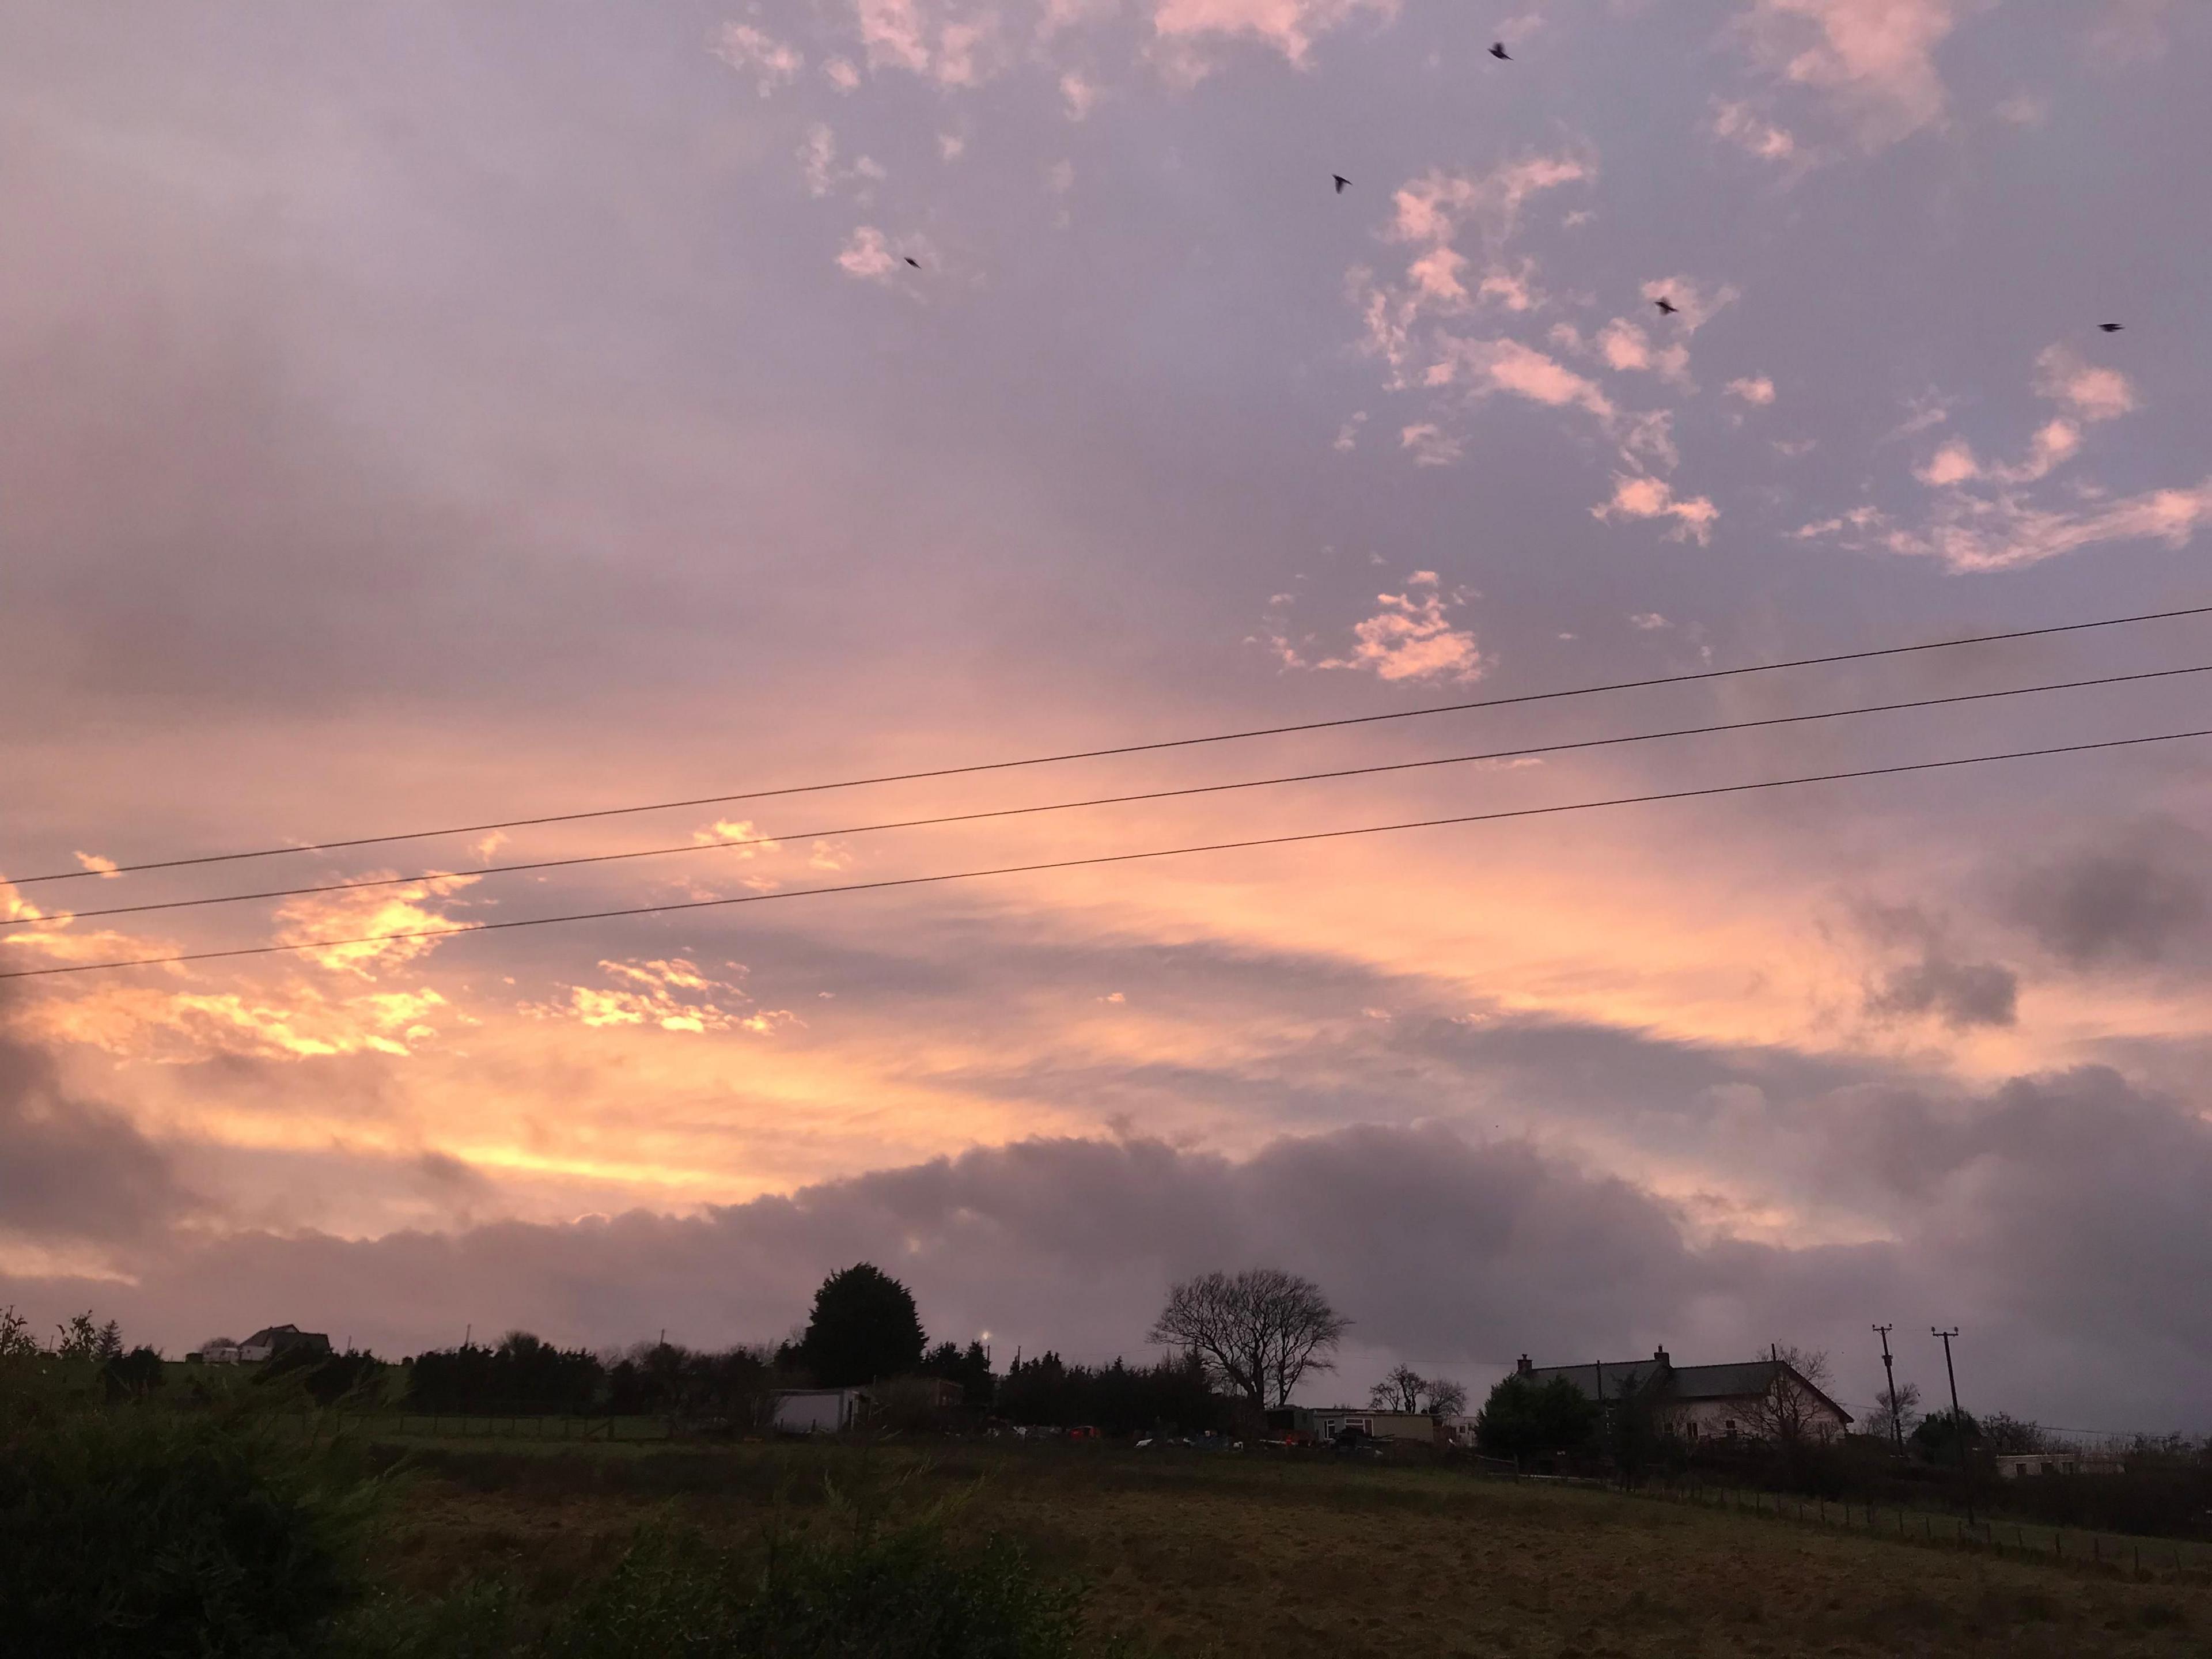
[327,1378]
[138,1531]
[864,1328]
[971,1368]
[1171,1397]
[1943,1436]
[522,1376]
[1522,1418]
[665,1379]
[135,1375]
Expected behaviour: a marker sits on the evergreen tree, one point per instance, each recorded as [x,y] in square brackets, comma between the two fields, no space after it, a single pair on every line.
[864,1329]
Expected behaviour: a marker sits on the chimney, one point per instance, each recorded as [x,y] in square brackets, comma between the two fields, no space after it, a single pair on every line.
[1525,1366]
[1660,1354]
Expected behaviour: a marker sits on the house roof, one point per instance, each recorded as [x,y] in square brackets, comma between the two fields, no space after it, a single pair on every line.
[1664,1380]
[1616,1378]
[1730,1382]
[272,1335]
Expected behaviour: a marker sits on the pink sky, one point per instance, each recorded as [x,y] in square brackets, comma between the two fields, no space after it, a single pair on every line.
[416,425]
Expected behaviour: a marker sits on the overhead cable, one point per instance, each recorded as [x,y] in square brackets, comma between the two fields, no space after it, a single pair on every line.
[739,843]
[1098,859]
[1154,747]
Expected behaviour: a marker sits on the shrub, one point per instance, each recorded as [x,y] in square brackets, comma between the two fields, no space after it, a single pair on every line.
[1523,1419]
[148,1533]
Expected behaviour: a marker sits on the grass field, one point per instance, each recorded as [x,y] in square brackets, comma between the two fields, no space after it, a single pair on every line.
[1190,1555]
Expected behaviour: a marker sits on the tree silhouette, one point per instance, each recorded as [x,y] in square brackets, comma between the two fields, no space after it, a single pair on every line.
[864,1328]
[1257,1332]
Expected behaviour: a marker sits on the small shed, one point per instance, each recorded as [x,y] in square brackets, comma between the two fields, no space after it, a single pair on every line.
[819,1410]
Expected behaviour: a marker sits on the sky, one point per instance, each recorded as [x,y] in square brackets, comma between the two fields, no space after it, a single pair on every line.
[423,417]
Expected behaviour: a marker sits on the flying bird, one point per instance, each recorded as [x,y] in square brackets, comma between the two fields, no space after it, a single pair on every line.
[1341,181]
[915,263]
[1667,307]
[1498,50]
[2111,328]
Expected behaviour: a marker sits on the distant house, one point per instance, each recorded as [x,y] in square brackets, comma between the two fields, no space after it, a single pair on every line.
[1705,1402]
[819,1410]
[1331,1423]
[265,1343]
[2014,1466]
[274,1339]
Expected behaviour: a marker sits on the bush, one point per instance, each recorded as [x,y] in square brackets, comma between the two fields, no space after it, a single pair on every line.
[1523,1419]
[146,1533]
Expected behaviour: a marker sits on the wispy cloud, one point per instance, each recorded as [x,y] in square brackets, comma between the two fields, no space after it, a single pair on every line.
[671,995]
[1654,498]
[1876,59]
[1410,636]
[1737,125]
[867,255]
[1290,27]
[771,63]
[2091,390]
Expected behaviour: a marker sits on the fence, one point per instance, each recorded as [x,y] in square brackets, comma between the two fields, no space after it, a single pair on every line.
[2123,1552]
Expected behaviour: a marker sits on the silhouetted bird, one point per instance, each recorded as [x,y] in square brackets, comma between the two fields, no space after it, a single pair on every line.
[1341,181]
[1667,307]
[915,263]
[2111,328]
[1498,50]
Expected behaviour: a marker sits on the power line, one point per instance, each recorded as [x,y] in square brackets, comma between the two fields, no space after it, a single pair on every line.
[1103,858]
[1122,748]
[1102,800]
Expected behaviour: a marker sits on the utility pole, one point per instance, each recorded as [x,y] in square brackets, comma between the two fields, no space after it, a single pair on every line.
[1958,1421]
[1889,1370]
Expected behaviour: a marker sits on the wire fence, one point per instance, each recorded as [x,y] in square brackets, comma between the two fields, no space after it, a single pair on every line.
[1999,1536]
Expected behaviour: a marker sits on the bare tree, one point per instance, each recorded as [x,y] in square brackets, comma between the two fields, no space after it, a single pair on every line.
[1402,1390]
[1406,1390]
[1446,1398]
[1791,1409]
[1896,1414]
[1257,1332]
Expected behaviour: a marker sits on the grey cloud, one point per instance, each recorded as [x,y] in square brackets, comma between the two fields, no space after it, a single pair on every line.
[2136,897]
[2060,1219]
[1962,994]
[71,1170]
[1935,983]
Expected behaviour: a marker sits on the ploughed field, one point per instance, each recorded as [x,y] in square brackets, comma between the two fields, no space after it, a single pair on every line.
[1261,1553]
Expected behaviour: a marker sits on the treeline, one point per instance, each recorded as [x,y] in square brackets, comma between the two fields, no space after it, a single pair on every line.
[1170,1397]
[526,1376]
